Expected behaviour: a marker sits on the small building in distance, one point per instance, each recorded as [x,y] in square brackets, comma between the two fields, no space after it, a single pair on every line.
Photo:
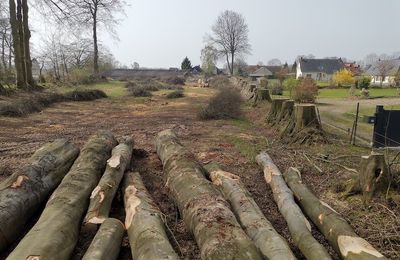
[384,72]
[260,73]
[318,69]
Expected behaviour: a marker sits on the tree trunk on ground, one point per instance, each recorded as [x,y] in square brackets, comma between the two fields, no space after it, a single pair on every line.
[251,218]
[103,195]
[304,126]
[107,242]
[24,192]
[25,39]
[299,227]
[332,225]
[144,222]
[276,106]
[18,57]
[286,112]
[373,177]
[206,213]
[56,232]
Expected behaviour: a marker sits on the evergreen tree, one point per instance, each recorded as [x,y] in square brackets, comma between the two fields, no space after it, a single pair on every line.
[186,64]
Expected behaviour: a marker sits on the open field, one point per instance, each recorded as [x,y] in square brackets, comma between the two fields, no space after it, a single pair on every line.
[232,143]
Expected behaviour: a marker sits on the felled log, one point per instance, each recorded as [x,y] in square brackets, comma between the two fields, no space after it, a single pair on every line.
[144,222]
[205,212]
[56,232]
[24,192]
[276,106]
[103,195]
[304,127]
[332,225]
[251,218]
[299,227]
[107,242]
[373,177]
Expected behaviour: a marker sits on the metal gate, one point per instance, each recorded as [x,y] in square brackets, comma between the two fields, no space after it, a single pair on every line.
[386,128]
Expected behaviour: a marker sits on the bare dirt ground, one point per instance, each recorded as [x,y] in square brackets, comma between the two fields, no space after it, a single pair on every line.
[233,143]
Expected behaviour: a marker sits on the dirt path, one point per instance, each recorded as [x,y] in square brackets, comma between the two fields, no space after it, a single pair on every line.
[233,143]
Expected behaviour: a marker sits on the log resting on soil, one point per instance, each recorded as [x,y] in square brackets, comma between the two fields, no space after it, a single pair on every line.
[56,232]
[107,242]
[205,212]
[144,222]
[24,192]
[332,225]
[299,227]
[256,225]
[103,195]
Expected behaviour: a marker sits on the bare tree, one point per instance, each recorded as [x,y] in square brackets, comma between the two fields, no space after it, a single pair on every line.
[209,56]
[230,37]
[92,13]
[384,67]
[274,62]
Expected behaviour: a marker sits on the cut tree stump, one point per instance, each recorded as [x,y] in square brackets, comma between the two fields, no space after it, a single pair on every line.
[285,113]
[299,227]
[333,226]
[107,242]
[373,177]
[103,195]
[276,106]
[205,212]
[144,222]
[261,94]
[56,232]
[304,127]
[23,193]
[251,218]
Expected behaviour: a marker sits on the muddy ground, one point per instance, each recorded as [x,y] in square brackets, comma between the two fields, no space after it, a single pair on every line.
[233,143]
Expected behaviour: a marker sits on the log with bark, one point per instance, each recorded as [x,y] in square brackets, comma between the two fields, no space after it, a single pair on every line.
[56,232]
[144,222]
[24,192]
[103,195]
[304,126]
[251,218]
[107,242]
[331,224]
[276,106]
[373,177]
[205,212]
[299,227]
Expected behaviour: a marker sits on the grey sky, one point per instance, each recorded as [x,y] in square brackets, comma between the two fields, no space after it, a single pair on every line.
[160,33]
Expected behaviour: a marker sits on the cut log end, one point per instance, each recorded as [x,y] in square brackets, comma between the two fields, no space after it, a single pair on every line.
[349,245]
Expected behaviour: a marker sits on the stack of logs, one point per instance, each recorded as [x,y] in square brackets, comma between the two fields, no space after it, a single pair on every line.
[215,205]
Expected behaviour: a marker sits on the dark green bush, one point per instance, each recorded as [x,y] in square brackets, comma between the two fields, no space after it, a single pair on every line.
[175,94]
[224,105]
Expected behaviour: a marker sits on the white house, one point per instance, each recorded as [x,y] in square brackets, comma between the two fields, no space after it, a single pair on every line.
[318,69]
[384,72]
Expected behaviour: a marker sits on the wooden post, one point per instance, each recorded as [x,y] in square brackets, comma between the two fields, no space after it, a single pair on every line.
[355,124]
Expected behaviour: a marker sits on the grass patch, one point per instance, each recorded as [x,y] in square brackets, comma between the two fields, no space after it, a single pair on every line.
[175,94]
[241,123]
[248,146]
[344,93]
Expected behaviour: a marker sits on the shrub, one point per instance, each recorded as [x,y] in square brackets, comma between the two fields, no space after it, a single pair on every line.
[364,82]
[364,93]
[290,84]
[275,89]
[306,91]
[226,104]
[175,94]
[84,95]
[175,80]
[344,78]
[139,92]
[219,82]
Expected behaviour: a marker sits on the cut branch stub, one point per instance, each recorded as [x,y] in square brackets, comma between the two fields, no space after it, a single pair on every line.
[144,222]
[299,227]
[103,195]
[55,234]
[256,225]
[205,212]
[107,242]
[333,226]
[24,192]
[276,106]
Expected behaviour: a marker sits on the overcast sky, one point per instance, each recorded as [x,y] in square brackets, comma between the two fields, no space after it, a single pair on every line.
[160,33]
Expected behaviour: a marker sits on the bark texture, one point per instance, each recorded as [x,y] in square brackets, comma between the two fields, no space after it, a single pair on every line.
[332,225]
[299,227]
[107,242]
[205,212]
[251,218]
[286,112]
[56,232]
[276,106]
[103,195]
[144,222]
[24,192]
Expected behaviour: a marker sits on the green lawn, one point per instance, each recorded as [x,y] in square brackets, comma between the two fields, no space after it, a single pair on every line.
[344,93]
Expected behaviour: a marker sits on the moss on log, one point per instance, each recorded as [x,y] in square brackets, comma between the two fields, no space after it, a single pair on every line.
[251,218]
[144,222]
[299,227]
[107,242]
[103,195]
[24,192]
[205,212]
[332,225]
[56,232]
[276,106]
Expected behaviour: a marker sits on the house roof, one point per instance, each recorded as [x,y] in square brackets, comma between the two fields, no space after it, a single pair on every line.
[328,66]
[261,72]
[388,67]
[274,69]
